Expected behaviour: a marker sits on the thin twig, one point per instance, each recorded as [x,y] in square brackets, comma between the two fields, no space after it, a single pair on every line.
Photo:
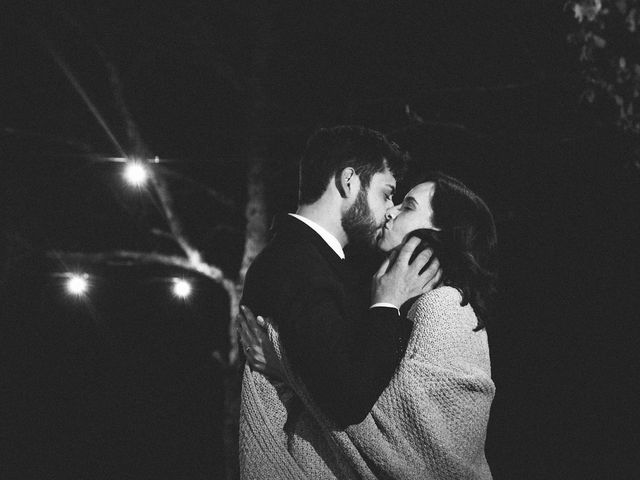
[162,234]
[210,191]
[127,257]
[57,58]
[71,142]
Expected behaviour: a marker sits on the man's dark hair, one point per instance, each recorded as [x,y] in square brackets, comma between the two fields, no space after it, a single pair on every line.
[331,150]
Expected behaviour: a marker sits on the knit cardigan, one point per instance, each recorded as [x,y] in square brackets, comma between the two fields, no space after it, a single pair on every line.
[430,422]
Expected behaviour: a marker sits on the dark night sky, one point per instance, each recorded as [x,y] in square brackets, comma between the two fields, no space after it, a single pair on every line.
[327,63]
[555,179]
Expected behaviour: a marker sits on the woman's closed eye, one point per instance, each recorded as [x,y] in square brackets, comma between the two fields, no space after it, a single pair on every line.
[409,204]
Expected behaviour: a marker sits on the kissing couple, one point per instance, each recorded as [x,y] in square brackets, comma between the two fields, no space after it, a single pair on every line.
[353,375]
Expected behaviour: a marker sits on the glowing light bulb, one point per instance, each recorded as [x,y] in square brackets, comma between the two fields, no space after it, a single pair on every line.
[136,173]
[181,288]
[78,284]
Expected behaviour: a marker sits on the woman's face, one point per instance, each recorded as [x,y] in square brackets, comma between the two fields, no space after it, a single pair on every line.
[413,213]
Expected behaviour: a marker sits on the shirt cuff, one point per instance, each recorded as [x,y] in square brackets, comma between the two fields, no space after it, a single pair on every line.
[385,305]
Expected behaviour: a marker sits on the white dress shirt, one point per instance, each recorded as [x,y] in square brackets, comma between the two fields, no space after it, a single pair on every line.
[324,233]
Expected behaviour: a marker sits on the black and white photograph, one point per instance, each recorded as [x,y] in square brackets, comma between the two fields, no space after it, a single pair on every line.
[285,240]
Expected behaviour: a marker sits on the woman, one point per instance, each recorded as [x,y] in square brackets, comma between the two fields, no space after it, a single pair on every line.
[430,422]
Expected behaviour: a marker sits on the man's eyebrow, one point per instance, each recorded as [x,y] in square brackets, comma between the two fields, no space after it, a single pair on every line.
[392,188]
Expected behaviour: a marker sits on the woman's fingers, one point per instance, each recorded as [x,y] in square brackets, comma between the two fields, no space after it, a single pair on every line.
[432,274]
[437,279]
[245,332]
[407,250]
[247,340]
[250,323]
[257,346]
[246,345]
[383,268]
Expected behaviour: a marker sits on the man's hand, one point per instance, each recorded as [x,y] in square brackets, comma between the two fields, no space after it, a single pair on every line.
[257,347]
[397,281]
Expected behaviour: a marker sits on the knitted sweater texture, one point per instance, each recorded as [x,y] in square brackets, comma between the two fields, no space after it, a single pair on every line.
[430,422]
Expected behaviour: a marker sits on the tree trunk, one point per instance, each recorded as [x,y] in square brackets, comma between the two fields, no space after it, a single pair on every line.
[255,240]
[257,222]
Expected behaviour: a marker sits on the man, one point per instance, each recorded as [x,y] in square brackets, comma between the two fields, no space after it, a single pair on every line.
[343,345]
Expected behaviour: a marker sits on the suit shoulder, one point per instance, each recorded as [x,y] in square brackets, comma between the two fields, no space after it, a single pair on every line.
[287,258]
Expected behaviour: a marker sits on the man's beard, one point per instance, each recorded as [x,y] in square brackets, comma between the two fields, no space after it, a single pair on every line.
[359,224]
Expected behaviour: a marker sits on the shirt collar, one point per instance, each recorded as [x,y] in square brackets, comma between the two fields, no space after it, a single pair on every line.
[324,233]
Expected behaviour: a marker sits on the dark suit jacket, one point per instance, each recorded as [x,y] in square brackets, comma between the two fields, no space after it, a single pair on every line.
[345,352]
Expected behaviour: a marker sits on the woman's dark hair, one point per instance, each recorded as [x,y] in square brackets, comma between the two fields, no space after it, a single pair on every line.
[465,244]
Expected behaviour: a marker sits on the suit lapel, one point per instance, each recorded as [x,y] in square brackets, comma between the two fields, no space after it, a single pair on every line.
[293,230]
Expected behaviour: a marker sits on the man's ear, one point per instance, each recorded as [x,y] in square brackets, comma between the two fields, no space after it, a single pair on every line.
[347,182]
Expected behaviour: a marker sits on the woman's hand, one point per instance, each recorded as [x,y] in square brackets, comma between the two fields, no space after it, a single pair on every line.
[258,348]
[398,281]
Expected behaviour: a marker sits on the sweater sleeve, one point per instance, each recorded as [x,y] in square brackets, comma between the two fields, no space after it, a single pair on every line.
[345,363]
[446,379]
[444,333]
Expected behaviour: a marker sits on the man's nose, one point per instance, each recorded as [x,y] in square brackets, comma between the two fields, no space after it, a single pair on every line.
[391,213]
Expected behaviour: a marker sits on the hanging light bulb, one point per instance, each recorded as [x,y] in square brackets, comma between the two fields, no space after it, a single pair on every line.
[181,288]
[135,173]
[77,284]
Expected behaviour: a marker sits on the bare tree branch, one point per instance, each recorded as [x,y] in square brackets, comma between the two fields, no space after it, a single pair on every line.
[159,183]
[162,234]
[71,142]
[59,61]
[412,114]
[212,192]
[133,133]
[113,75]
[173,220]
[428,93]
[127,257]
[215,229]
[450,125]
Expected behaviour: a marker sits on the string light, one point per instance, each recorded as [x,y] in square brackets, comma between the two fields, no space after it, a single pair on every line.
[77,284]
[135,173]
[181,288]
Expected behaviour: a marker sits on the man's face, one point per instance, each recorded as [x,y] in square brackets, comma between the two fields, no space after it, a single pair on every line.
[364,220]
